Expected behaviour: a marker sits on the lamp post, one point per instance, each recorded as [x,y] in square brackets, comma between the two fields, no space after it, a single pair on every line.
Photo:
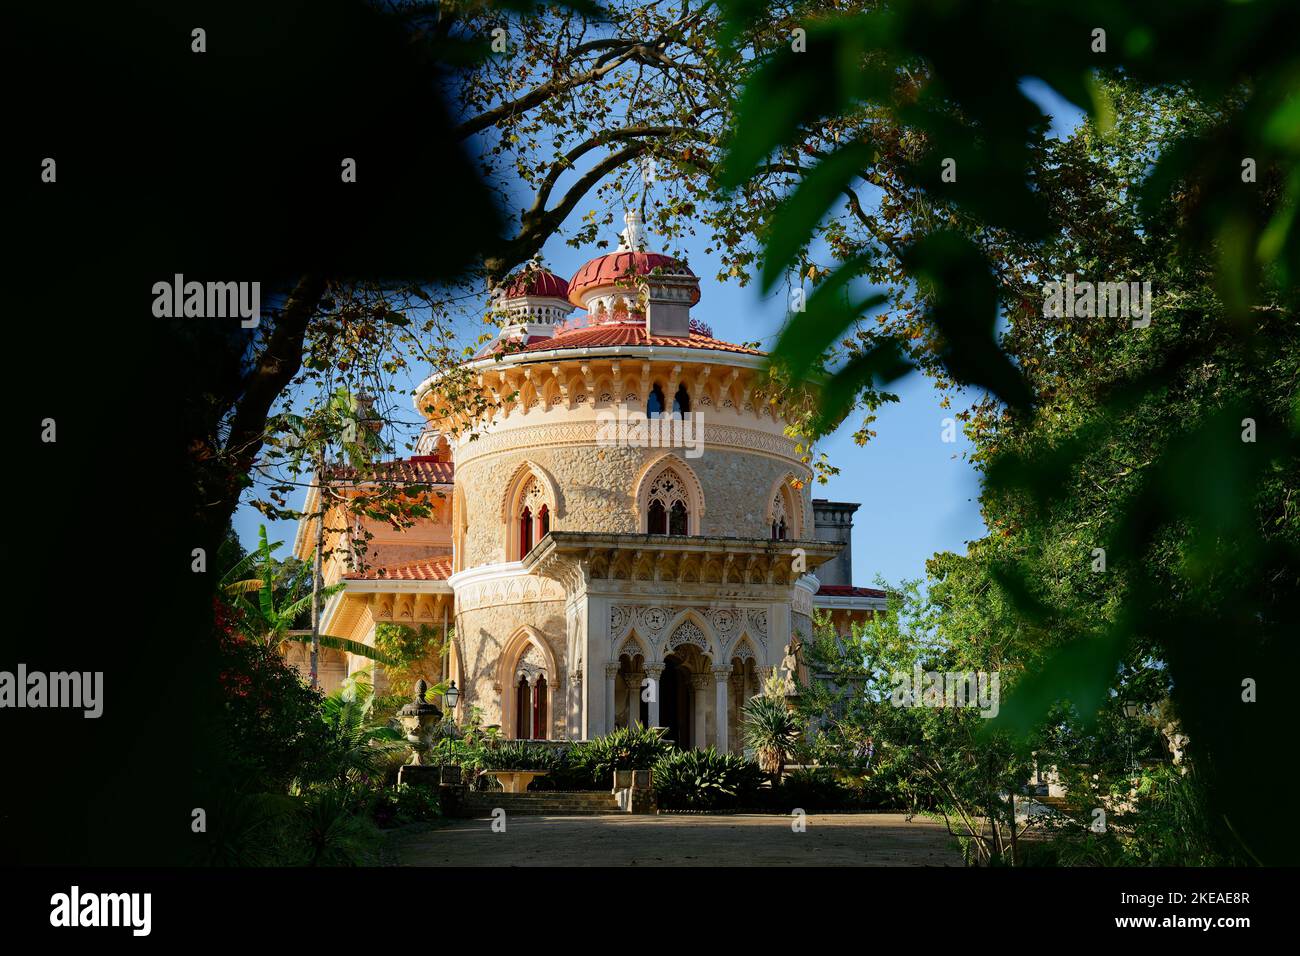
[450,697]
[1130,712]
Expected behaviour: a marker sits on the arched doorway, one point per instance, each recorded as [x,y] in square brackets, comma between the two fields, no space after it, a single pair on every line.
[685,701]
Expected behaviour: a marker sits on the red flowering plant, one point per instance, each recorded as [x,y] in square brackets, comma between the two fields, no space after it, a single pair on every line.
[272,726]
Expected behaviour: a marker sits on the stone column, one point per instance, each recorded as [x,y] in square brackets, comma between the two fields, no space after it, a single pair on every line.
[736,685]
[550,710]
[611,677]
[633,679]
[573,712]
[655,672]
[700,698]
[720,676]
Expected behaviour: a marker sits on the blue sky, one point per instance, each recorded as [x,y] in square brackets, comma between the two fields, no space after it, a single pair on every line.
[919,495]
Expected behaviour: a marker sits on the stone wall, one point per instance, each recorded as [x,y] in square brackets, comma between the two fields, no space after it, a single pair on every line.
[484,633]
[801,625]
[596,487]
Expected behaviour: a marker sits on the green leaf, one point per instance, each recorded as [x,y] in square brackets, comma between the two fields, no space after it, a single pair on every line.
[963,300]
[797,217]
[877,367]
[344,644]
[1080,672]
[791,90]
[811,333]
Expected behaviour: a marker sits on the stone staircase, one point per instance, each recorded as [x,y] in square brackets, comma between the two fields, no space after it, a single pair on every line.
[538,803]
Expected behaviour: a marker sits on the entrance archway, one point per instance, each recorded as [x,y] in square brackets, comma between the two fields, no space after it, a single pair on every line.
[685,700]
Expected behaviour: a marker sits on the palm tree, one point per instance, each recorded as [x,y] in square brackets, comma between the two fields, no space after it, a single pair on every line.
[770,729]
[272,623]
[360,746]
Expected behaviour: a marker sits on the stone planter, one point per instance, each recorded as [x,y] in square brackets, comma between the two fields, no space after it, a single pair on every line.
[515,781]
[419,719]
[634,790]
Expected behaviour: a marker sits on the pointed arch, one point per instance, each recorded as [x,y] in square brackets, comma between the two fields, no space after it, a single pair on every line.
[784,500]
[527,672]
[688,627]
[632,646]
[743,650]
[528,396]
[550,393]
[686,491]
[530,502]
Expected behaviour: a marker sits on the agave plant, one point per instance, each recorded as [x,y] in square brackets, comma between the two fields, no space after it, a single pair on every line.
[333,830]
[271,622]
[627,748]
[704,780]
[516,755]
[770,729]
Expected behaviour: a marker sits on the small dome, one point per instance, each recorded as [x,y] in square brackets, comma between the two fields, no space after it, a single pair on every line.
[541,283]
[619,266]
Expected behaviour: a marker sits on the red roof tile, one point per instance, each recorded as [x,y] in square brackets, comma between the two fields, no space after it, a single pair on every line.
[418,469]
[617,266]
[540,282]
[848,590]
[595,336]
[427,569]
[515,345]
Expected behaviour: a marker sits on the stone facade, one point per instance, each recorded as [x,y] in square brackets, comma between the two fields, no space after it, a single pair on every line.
[596,488]
[584,578]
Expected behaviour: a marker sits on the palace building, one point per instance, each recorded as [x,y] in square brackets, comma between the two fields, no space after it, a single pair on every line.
[565,561]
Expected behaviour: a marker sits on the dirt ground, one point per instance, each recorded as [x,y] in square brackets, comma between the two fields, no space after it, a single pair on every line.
[869,839]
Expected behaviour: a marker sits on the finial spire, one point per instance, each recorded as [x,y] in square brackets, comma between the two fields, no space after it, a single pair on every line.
[632,239]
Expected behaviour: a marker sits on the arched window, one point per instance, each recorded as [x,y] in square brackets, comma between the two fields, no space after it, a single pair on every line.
[655,405]
[681,402]
[669,510]
[539,708]
[658,518]
[778,517]
[533,519]
[523,709]
[677,518]
[525,532]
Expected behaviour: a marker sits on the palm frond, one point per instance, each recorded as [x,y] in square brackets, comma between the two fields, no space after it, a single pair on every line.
[344,644]
[246,586]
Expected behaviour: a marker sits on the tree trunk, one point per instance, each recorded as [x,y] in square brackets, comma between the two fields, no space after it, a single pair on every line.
[1015,847]
[316,573]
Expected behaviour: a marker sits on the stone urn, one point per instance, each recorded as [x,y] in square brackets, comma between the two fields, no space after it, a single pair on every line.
[418,719]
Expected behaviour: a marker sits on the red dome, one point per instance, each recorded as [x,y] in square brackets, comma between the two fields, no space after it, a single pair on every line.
[608,269]
[538,282]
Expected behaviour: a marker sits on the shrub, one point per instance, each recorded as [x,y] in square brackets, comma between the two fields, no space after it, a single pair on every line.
[334,832]
[570,773]
[512,755]
[271,727]
[358,748]
[584,766]
[406,804]
[628,748]
[814,789]
[705,780]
